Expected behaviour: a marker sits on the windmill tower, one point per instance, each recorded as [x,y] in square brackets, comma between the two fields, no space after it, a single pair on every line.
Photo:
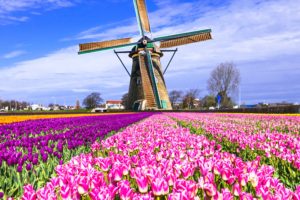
[147,89]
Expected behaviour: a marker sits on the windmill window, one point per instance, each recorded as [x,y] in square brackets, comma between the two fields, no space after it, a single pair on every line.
[138,81]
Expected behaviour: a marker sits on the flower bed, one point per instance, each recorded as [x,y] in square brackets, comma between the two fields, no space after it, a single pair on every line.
[19,118]
[275,138]
[156,159]
[30,150]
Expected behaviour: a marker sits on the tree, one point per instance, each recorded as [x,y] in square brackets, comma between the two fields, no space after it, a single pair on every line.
[51,105]
[209,101]
[224,80]
[92,100]
[125,102]
[189,98]
[175,96]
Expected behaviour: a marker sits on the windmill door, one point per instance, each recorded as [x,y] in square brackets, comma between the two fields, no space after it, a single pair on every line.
[164,104]
[136,106]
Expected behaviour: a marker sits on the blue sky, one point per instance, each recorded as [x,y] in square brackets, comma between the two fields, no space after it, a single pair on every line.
[39,43]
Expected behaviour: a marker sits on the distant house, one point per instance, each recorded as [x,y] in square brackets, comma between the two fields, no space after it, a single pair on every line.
[36,107]
[114,104]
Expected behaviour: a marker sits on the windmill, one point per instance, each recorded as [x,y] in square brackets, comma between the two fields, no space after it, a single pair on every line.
[147,89]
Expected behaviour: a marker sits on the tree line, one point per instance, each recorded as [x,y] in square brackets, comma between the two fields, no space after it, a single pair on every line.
[13,104]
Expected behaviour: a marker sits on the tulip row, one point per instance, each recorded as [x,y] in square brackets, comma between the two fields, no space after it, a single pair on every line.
[247,137]
[156,159]
[20,118]
[30,150]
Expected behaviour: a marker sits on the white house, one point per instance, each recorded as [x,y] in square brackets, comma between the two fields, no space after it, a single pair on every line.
[114,104]
[38,107]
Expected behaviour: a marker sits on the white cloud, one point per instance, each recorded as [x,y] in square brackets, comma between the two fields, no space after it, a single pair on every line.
[9,8]
[63,70]
[14,54]
[81,90]
[253,34]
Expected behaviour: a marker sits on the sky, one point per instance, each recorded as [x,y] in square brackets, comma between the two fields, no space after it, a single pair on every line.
[39,44]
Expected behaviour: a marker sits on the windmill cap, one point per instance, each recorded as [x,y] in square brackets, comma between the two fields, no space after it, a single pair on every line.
[150,44]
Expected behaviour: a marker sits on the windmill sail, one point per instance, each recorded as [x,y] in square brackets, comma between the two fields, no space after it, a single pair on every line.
[99,46]
[184,38]
[142,16]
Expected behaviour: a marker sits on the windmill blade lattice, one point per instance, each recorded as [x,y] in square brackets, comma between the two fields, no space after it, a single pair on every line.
[142,16]
[104,45]
[184,38]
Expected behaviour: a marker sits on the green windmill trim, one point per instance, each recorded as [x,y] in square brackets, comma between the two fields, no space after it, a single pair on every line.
[153,80]
[176,36]
[149,45]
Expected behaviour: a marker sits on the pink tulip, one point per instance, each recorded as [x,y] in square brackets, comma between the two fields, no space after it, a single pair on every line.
[125,169]
[134,160]
[65,192]
[116,173]
[189,187]
[243,179]
[83,184]
[171,178]
[246,196]
[95,146]
[210,189]
[231,179]
[125,191]
[101,194]
[226,173]
[237,189]
[142,183]
[103,163]
[216,170]
[159,156]
[29,193]
[253,178]
[187,171]
[226,194]
[262,191]
[174,196]
[160,187]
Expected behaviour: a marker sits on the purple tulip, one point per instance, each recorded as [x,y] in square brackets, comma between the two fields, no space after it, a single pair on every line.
[19,168]
[35,161]
[28,167]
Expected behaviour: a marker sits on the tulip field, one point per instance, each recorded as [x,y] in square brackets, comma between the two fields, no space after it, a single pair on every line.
[30,150]
[159,156]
